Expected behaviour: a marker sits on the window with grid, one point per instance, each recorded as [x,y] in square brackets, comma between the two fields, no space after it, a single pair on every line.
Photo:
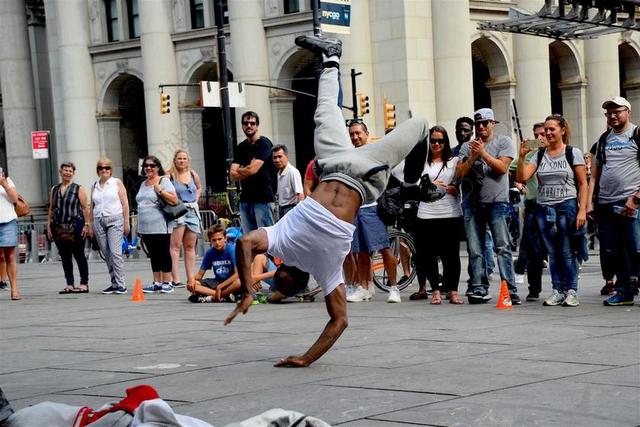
[291,6]
[197,14]
[111,9]
[134,18]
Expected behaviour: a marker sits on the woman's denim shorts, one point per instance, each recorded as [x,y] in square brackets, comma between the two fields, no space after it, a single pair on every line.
[191,219]
[9,234]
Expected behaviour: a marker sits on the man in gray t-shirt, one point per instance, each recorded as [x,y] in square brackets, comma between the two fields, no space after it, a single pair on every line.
[616,172]
[484,169]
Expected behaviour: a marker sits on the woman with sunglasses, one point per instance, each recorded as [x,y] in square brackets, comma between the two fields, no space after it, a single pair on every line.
[561,211]
[186,229]
[110,213]
[438,224]
[153,226]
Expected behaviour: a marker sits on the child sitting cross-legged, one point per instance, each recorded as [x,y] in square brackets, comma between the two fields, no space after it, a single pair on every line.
[221,259]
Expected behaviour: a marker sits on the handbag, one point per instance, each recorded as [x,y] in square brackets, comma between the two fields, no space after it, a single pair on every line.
[170,211]
[21,207]
[64,232]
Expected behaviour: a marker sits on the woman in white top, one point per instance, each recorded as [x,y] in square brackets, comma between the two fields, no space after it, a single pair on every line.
[439,223]
[110,213]
[9,231]
[186,229]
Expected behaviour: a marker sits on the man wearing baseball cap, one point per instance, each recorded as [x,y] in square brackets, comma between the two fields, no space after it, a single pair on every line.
[616,173]
[484,170]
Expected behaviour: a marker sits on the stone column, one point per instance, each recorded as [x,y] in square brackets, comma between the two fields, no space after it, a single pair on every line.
[159,66]
[250,60]
[77,89]
[109,132]
[19,110]
[282,110]
[574,111]
[191,124]
[531,62]
[603,81]
[452,61]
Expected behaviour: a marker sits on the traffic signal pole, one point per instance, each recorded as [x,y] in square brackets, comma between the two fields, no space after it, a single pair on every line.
[354,95]
[224,84]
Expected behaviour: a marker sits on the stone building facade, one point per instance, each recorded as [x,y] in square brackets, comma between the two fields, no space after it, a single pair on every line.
[89,71]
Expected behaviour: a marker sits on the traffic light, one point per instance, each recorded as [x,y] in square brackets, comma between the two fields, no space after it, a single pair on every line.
[363,101]
[164,103]
[389,115]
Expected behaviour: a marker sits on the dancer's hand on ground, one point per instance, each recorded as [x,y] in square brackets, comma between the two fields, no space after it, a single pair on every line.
[241,307]
[292,362]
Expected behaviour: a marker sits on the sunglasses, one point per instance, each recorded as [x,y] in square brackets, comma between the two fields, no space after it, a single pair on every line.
[436,141]
[104,168]
[149,165]
[483,123]
[249,123]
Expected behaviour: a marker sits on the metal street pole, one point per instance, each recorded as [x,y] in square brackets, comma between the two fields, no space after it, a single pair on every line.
[224,83]
[315,9]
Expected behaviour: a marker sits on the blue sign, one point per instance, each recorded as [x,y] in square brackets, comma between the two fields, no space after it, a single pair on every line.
[335,16]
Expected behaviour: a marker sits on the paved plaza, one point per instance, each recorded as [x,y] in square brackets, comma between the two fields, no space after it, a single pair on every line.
[396,364]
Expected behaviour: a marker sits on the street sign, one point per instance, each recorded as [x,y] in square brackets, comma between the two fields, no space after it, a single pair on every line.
[335,16]
[210,94]
[40,144]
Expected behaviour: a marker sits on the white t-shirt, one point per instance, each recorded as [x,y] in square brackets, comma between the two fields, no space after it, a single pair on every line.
[289,185]
[7,211]
[449,205]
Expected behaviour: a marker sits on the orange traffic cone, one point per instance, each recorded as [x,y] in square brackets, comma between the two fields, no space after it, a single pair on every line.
[138,295]
[504,300]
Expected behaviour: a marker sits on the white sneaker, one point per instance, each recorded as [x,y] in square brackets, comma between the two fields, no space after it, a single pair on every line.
[571,300]
[371,289]
[394,294]
[350,289]
[556,298]
[359,295]
[519,279]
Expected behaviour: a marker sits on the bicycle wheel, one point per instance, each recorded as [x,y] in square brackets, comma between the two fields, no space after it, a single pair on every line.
[404,252]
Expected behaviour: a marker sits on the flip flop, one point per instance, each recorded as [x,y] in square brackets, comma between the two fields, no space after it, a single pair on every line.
[68,290]
[16,296]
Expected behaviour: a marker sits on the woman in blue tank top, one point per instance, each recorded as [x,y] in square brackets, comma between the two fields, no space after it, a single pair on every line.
[184,230]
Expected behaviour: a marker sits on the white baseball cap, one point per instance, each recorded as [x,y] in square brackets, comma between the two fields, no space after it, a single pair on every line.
[616,100]
[484,114]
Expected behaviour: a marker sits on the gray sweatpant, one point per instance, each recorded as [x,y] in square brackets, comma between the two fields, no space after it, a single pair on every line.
[336,153]
[108,231]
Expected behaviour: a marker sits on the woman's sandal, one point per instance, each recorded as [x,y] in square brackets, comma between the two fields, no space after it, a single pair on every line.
[69,289]
[436,299]
[82,289]
[419,295]
[454,298]
[15,296]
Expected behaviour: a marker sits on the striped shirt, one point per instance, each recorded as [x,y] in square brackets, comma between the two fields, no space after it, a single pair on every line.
[66,207]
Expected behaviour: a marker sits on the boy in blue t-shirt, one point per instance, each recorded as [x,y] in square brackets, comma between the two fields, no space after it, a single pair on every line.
[221,259]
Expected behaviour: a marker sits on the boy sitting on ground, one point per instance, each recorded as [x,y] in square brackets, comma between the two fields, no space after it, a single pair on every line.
[221,259]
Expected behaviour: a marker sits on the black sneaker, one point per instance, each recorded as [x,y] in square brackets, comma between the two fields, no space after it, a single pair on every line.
[316,44]
[178,285]
[479,297]
[110,290]
[607,289]
[515,299]
[532,297]
[198,298]
[4,286]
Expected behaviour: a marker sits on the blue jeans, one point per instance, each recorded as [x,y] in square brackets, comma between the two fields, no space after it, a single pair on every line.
[255,215]
[532,249]
[476,220]
[489,262]
[619,245]
[557,232]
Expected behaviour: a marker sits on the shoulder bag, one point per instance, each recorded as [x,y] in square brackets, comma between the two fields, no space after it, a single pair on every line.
[170,211]
[21,206]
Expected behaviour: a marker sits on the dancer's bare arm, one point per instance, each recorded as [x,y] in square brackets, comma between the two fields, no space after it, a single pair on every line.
[246,248]
[336,303]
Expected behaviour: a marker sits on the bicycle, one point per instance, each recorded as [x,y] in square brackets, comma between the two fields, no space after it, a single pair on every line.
[403,249]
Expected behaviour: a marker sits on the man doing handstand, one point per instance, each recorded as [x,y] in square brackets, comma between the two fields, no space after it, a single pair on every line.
[316,235]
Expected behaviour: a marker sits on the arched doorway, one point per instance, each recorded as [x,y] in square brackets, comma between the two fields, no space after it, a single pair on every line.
[123,129]
[567,88]
[203,131]
[629,66]
[493,85]
[304,108]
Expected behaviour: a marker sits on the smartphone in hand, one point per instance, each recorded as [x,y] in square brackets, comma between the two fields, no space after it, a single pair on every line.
[533,144]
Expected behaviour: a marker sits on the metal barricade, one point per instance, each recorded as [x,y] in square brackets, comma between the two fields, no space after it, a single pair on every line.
[33,245]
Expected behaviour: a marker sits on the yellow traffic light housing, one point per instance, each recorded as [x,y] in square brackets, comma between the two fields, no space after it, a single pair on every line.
[389,115]
[363,102]
[164,103]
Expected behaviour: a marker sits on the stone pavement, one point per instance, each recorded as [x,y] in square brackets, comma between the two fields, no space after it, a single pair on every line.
[396,364]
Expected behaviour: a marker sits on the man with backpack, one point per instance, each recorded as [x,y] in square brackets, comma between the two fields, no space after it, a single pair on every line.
[616,173]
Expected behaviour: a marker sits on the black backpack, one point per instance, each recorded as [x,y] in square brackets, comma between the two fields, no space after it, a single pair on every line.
[602,141]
